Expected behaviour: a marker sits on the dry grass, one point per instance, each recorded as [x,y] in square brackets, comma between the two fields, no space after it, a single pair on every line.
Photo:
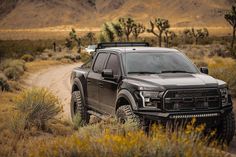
[223,69]
[112,139]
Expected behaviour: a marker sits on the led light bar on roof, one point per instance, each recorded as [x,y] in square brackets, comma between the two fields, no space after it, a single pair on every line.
[122,44]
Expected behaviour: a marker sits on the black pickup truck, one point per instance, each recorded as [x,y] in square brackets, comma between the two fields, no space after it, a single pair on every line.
[135,82]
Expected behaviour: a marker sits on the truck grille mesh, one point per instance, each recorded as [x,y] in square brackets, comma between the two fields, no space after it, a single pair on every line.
[199,99]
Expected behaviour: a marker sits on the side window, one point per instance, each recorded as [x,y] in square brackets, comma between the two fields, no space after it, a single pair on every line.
[113,63]
[99,63]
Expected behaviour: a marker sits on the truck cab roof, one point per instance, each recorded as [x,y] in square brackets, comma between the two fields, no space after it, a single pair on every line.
[139,49]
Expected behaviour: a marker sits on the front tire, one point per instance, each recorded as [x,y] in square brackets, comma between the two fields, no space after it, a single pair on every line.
[78,107]
[226,130]
[125,114]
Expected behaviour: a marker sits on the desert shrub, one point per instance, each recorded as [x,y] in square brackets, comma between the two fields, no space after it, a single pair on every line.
[12,73]
[70,57]
[13,69]
[38,106]
[13,63]
[50,54]
[113,139]
[27,58]
[4,86]
[224,69]
[77,121]
[14,85]
[17,124]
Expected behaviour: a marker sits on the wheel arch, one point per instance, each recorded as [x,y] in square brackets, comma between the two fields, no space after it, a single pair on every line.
[79,84]
[124,98]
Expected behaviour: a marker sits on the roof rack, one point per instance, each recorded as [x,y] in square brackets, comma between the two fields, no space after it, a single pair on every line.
[122,44]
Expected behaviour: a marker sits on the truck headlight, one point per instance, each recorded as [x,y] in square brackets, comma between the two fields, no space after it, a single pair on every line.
[224,96]
[151,98]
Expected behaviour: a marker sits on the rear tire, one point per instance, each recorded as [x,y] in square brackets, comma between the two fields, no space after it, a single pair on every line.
[78,107]
[227,128]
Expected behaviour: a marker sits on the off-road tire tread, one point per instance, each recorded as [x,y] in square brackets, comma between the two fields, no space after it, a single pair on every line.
[81,109]
[130,116]
[227,128]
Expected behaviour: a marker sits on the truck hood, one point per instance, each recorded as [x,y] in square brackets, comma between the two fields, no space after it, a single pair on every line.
[174,80]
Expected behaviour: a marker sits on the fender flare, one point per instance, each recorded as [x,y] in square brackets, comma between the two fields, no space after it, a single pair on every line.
[128,96]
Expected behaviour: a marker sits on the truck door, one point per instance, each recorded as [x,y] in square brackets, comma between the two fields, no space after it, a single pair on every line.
[93,81]
[108,88]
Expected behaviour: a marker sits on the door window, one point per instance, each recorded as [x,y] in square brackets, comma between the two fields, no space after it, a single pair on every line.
[113,63]
[99,63]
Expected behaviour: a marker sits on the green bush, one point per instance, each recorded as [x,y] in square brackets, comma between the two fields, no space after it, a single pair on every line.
[13,63]
[38,106]
[4,86]
[13,73]
[27,58]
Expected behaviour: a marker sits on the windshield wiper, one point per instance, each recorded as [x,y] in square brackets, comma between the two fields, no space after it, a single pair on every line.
[176,71]
[143,72]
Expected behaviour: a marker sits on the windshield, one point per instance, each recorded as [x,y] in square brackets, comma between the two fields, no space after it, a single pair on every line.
[157,63]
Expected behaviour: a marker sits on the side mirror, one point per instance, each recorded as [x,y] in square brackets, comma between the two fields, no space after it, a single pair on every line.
[204,70]
[107,74]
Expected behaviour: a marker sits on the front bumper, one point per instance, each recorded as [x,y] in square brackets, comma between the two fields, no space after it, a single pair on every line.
[210,117]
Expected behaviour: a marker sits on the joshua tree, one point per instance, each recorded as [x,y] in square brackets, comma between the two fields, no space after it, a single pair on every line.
[68,43]
[91,37]
[102,37]
[137,30]
[199,34]
[118,31]
[230,16]
[186,36]
[127,25]
[108,33]
[169,36]
[73,36]
[162,25]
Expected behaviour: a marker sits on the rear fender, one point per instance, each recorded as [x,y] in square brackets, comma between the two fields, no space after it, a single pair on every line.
[79,83]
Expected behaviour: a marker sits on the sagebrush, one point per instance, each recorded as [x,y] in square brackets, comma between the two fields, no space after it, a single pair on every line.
[38,107]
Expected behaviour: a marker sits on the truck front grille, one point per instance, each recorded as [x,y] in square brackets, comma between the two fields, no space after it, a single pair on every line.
[191,99]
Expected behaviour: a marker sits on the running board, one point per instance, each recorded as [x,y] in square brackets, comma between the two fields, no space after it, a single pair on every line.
[99,115]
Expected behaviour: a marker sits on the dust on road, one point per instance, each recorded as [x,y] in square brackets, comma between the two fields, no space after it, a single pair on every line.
[57,80]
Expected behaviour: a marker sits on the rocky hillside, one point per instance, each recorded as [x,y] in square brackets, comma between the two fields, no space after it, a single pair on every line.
[92,13]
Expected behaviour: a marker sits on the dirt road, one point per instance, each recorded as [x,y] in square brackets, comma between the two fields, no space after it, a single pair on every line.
[56,79]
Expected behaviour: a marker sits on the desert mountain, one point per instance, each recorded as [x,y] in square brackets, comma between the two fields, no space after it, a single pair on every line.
[92,13]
